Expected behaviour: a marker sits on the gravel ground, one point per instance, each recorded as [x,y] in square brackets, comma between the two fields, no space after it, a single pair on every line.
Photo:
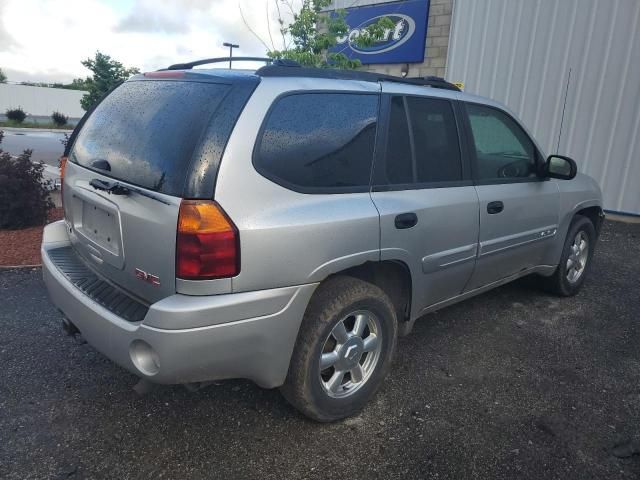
[511,384]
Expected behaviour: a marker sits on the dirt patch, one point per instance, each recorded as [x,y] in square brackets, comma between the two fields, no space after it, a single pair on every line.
[22,247]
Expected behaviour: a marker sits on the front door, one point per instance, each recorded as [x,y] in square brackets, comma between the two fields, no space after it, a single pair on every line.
[423,191]
[518,209]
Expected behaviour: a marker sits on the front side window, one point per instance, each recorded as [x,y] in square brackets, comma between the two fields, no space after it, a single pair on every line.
[422,144]
[319,141]
[503,150]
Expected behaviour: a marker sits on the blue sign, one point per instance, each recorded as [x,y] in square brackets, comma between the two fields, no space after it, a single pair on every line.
[404,43]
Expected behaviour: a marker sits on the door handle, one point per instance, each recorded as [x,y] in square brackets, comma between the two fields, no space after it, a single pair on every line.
[495,207]
[406,220]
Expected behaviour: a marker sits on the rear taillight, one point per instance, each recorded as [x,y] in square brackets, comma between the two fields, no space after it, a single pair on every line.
[208,244]
[63,167]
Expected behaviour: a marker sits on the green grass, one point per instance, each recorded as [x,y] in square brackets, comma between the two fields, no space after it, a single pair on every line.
[10,123]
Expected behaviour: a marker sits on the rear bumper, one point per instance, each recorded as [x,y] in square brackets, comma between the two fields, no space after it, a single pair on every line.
[185,339]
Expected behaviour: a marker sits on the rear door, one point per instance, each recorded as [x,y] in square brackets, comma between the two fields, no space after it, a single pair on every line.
[422,188]
[518,209]
[147,145]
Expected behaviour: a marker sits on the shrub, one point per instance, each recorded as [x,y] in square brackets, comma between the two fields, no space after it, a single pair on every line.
[65,140]
[59,118]
[16,114]
[24,196]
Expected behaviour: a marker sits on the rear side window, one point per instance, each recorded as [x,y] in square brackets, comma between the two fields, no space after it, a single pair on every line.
[146,132]
[399,165]
[319,142]
[422,144]
[436,140]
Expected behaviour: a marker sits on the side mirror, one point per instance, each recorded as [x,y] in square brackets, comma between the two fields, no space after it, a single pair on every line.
[559,166]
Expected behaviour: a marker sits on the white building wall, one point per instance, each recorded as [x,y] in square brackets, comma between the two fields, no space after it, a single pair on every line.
[41,101]
[520,52]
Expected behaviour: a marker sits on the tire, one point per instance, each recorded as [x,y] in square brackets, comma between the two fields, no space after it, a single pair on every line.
[322,394]
[560,283]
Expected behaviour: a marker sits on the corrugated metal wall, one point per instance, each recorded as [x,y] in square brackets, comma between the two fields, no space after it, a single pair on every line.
[520,52]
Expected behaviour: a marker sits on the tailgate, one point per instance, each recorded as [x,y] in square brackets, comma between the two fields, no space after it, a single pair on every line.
[128,239]
[147,145]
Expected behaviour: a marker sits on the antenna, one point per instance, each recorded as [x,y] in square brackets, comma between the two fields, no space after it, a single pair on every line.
[566,93]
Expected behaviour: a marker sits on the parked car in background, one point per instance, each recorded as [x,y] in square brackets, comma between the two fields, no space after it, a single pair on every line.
[285,225]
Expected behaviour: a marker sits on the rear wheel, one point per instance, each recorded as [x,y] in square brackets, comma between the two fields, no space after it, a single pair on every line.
[344,349]
[576,259]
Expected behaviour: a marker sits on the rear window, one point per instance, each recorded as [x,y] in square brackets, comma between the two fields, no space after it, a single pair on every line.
[319,142]
[422,145]
[147,132]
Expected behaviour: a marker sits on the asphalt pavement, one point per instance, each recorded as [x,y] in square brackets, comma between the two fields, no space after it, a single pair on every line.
[511,384]
[46,146]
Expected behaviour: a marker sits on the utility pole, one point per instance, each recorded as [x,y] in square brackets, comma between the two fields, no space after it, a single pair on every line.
[231,47]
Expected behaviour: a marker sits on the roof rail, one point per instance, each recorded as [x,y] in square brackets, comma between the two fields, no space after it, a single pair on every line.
[207,61]
[279,70]
[435,82]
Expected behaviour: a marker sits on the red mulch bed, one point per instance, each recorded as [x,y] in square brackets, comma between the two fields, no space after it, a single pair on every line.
[22,247]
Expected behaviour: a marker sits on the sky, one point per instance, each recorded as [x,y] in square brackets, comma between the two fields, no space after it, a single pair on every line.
[45,40]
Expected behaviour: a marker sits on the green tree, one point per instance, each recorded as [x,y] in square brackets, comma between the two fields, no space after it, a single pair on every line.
[3,77]
[312,32]
[106,74]
[76,84]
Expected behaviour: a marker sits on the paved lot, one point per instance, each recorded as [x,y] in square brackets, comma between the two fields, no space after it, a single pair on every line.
[512,384]
[46,146]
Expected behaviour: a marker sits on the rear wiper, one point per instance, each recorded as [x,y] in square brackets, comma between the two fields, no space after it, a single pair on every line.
[116,188]
[119,189]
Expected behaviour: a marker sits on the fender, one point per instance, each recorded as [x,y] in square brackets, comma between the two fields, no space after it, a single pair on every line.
[553,258]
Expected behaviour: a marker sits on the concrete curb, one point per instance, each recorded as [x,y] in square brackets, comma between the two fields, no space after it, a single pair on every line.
[617,217]
[49,130]
[18,267]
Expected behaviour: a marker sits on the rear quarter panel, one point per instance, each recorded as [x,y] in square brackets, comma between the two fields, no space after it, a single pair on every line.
[290,238]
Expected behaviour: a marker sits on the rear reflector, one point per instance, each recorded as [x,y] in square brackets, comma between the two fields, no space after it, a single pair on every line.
[63,167]
[208,244]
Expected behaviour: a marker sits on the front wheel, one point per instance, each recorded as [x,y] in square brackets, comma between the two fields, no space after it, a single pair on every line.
[344,349]
[575,260]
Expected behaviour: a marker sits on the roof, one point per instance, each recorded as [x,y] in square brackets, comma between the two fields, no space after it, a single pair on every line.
[335,74]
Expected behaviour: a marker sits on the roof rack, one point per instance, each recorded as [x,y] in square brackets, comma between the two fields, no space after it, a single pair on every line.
[280,70]
[207,61]
[281,67]
[435,82]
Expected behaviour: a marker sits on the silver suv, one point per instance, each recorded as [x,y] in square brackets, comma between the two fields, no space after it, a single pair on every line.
[285,225]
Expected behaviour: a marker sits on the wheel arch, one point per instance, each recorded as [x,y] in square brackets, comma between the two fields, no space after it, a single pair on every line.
[394,278]
[593,213]
[592,209]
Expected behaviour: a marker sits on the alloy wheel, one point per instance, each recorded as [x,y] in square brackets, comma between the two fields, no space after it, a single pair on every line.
[578,256]
[350,353]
